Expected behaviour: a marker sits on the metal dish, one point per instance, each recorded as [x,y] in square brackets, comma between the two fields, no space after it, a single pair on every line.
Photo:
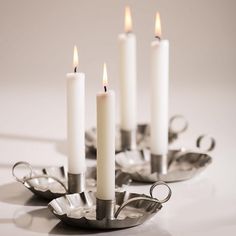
[51,182]
[182,164]
[131,209]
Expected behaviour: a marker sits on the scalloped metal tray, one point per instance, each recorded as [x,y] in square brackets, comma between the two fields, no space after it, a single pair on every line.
[51,182]
[132,209]
[182,164]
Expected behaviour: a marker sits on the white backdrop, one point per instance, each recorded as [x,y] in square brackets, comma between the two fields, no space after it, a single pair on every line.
[36,48]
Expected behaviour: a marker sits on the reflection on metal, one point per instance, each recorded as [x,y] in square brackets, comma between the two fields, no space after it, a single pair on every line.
[131,209]
[52,182]
[137,139]
[76,183]
[182,164]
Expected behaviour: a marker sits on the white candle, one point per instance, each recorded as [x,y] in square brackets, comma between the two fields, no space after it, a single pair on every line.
[105,143]
[75,119]
[159,92]
[127,51]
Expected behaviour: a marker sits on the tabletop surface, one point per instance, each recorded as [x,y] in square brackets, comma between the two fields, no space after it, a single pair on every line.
[36,46]
[35,132]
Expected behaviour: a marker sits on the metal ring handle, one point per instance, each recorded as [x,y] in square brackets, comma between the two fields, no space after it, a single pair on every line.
[22,180]
[173,119]
[200,140]
[158,183]
[122,206]
[49,176]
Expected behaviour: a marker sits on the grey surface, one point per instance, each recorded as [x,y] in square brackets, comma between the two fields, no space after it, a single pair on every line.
[36,43]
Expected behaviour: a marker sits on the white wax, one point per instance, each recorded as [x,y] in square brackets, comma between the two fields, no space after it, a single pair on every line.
[106,146]
[127,51]
[75,123]
[159,96]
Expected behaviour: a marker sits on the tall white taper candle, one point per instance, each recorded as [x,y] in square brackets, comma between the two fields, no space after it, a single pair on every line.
[75,119]
[105,142]
[127,51]
[159,92]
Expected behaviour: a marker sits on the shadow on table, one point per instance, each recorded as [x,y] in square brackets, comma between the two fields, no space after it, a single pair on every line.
[147,228]
[16,193]
[60,145]
[63,229]
[43,221]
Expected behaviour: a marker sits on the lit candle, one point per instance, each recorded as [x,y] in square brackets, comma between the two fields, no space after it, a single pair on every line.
[75,119]
[105,142]
[127,51]
[159,94]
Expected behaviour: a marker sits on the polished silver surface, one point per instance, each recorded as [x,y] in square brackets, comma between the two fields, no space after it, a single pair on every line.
[52,182]
[131,209]
[128,139]
[47,183]
[76,183]
[159,164]
[105,209]
[182,164]
[124,139]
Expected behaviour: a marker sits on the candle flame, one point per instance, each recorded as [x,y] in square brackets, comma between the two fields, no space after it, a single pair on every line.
[105,80]
[75,58]
[128,20]
[158,26]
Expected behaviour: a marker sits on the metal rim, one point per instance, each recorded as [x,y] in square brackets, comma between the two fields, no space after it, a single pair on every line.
[134,200]
[23,163]
[151,199]
[48,177]
[173,119]
[159,183]
[200,141]
[30,177]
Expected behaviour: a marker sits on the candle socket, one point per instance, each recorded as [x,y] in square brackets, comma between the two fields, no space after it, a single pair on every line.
[105,209]
[76,183]
[159,164]
[128,139]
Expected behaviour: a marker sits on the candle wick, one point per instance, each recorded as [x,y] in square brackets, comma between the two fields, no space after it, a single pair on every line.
[158,37]
[105,88]
[75,69]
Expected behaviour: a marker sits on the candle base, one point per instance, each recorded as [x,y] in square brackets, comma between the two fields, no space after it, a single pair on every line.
[159,164]
[128,139]
[126,210]
[105,209]
[76,183]
[178,165]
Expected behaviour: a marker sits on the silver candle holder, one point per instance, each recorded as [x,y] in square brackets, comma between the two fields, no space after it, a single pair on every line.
[52,182]
[76,183]
[177,165]
[127,209]
[134,139]
[128,139]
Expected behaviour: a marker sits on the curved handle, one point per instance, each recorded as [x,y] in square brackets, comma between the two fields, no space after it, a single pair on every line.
[24,163]
[161,183]
[173,120]
[200,141]
[122,206]
[26,178]
[143,198]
